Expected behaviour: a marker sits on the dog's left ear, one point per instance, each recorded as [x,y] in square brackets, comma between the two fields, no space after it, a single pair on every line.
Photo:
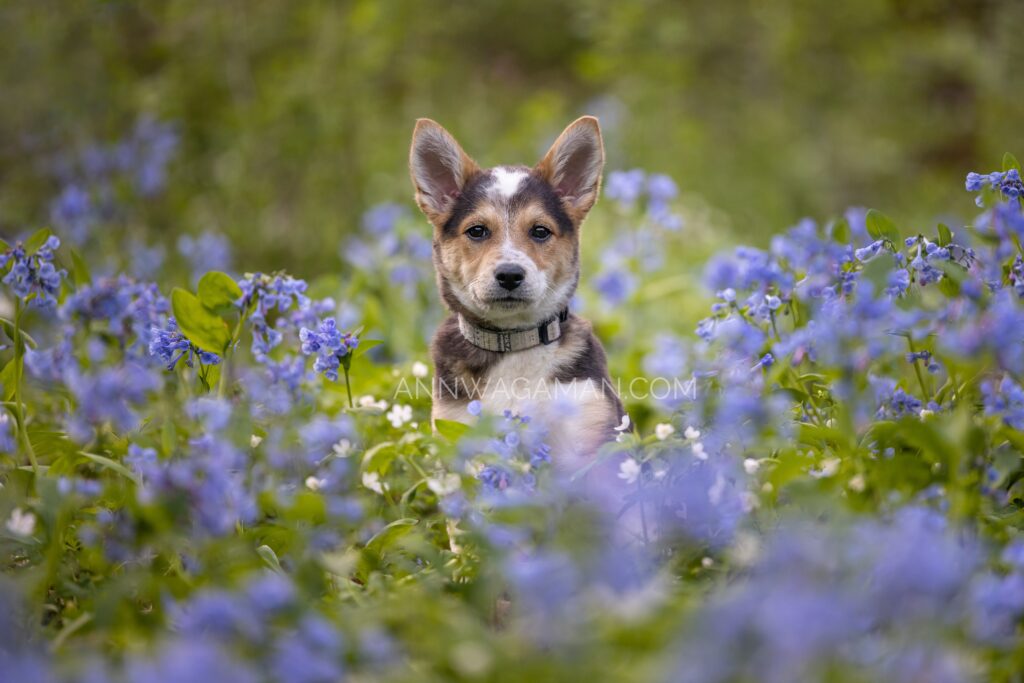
[573,165]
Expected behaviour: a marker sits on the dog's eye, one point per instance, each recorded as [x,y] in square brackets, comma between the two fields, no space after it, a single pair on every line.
[540,233]
[477,232]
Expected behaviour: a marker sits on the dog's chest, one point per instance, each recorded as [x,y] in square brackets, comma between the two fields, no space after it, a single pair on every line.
[523,380]
[575,414]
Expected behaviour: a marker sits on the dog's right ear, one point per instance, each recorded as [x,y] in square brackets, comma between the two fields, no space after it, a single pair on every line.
[439,168]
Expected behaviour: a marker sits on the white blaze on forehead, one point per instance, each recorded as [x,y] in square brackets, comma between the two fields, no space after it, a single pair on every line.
[506,181]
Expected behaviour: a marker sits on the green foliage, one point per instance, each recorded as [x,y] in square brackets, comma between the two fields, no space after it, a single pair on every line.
[199,323]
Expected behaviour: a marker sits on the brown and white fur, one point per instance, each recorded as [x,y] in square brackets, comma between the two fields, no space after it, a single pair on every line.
[489,223]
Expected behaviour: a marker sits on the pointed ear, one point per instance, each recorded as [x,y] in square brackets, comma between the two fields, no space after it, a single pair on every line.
[573,165]
[439,168]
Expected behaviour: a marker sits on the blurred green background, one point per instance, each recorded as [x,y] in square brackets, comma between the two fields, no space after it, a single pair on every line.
[295,117]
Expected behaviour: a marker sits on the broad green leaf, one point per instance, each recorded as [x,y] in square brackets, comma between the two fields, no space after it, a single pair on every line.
[450,429]
[203,328]
[387,536]
[877,272]
[1010,161]
[841,231]
[881,226]
[945,236]
[79,269]
[37,240]
[218,291]
[365,345]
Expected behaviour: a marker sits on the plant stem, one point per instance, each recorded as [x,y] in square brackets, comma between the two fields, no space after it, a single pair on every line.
[222,384]
[19,362]
[348,387]
[917,371]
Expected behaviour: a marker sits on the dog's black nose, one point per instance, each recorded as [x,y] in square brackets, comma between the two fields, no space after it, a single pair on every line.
[509,275]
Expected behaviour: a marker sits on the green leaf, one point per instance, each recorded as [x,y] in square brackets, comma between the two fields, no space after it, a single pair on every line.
[79,269]
[945,236]
[450,429]
[107,463]
[881,226]
[1010,161]
[841,231]
[365,345]
[269,558]
[203,328]
[37,240]
[379,458]
[387,536]
[9,378]
[877,272]
[218,291]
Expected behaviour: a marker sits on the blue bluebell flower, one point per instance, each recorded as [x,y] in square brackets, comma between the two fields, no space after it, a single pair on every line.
[33,277]
[615,286]
[329,345]
[625,187]
[209,251]
[170,346]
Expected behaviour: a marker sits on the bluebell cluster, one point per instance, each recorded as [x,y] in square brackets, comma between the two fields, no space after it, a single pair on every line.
[91,179]
[263,295]
[628,188]
[885,597]
[383,247]
[329,345]
[208,251]
[171,346]
[33,277]
[512,458]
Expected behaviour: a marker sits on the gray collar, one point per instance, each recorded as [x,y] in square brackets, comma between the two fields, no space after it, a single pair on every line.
[513,340]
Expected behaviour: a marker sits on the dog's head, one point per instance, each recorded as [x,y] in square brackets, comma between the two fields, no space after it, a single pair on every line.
[506,239]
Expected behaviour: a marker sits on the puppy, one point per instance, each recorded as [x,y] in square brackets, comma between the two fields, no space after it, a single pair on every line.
[506,250]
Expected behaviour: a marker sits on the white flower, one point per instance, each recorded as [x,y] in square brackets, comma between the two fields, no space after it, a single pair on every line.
[314,484]
[751,466]
[343,448]
[691,433]
[370,402]
[255,440]
[629,471]
[622,428]
[857,483]
[420,370]
[371,480]
[829,466]
[925,413]
[445,484]
[399,415]
[21,523]
[664,430]
[698,451]
[706,562]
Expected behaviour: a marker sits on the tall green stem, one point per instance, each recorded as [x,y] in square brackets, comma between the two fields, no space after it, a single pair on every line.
[222,384]
[348,386]
[19,371]
[917,371]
